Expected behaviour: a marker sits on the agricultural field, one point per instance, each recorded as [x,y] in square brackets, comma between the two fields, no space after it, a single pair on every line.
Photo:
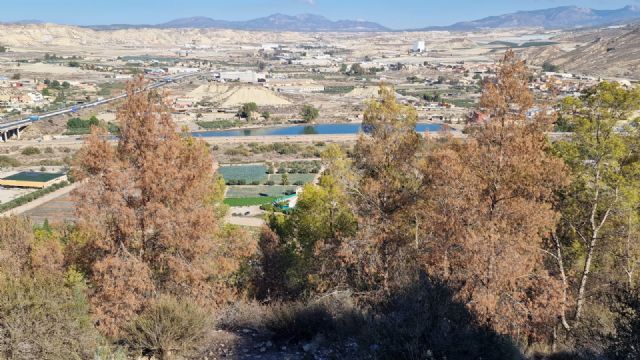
[256,195]
[298,172]
[244,174]
[259,191]
[295,179]
[251,185]
[250,201]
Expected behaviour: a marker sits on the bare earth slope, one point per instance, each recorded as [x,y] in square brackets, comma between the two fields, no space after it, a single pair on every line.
[615,56]
[46,36]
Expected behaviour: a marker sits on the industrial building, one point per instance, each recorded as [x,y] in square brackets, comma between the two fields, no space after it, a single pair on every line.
[419,47]
[32,179]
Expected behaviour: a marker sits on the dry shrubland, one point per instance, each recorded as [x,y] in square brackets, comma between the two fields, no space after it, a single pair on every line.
[496,247]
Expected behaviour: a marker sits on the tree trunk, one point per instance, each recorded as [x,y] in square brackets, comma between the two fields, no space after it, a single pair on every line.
[565,285]
[585,277]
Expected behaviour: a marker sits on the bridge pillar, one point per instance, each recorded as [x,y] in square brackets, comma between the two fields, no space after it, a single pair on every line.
[18,133]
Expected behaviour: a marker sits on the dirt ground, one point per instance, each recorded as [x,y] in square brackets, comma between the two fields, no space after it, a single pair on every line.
[249,344]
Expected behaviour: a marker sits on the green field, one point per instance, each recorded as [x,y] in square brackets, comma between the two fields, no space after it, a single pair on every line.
[258,191]
[255,195]
[243,193]
[246,173]
[237,202]
[298,172]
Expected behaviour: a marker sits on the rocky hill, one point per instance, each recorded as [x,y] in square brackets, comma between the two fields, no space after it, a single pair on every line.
[564,17]
[614,54]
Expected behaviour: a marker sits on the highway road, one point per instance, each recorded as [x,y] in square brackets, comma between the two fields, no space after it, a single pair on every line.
[73,109]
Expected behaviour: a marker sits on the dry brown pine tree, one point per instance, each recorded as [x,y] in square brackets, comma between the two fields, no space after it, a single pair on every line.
[489,207]
[145,205]
[384,189]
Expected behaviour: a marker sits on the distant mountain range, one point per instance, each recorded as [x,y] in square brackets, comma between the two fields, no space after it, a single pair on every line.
[564,17]
[24,22]
[275,22]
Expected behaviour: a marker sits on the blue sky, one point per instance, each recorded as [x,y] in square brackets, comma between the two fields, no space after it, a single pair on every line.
[398,14]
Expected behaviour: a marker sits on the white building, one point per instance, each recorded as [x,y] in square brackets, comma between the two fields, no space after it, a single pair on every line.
[182,70]
[270,47]
[419,47]
[241,76]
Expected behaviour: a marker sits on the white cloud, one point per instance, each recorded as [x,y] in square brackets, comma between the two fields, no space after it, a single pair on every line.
[308,2]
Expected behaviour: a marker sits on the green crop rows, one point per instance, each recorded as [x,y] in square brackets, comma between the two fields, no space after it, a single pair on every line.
[246,173]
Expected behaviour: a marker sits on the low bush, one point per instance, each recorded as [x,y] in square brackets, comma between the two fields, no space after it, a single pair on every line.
[220,124]
[238,182]
[422,321]
[30,150]
[8,161]
[267,207]
[625,344]
[42,318]
[333,315]
[240,150]
[168,328]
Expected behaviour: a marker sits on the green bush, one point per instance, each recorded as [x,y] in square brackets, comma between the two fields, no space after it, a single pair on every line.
[625,343]
[267,207]
[219,124]
[77,123]
[247,109]
[168,328]
[42,318]
[8,161]
[309,113]
[237,182]
[30,150]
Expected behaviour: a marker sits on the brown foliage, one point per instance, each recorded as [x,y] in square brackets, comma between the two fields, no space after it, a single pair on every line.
[16,237]
[386,186]
[43,315]
[122,286]
[489,208]
[145,204]
[21,252]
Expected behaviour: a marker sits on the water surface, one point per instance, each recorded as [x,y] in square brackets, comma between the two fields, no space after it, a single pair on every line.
[293,130]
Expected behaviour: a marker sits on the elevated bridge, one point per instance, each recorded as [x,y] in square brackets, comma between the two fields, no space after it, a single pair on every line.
[12,129]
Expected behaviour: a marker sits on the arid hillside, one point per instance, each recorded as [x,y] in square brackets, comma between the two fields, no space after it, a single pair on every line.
[614,54]
[52,36]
